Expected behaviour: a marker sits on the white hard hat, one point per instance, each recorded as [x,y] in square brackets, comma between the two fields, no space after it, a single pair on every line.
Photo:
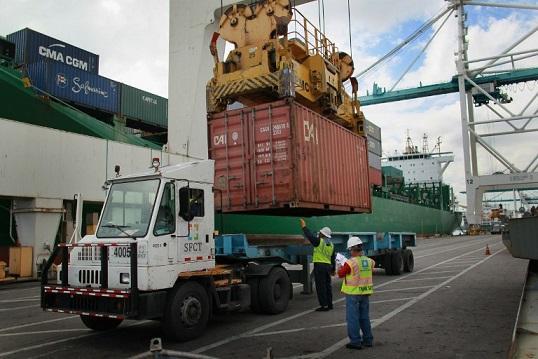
[353,241]
[326,231]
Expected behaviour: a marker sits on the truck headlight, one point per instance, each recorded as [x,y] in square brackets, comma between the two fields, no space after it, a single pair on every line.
[124,278]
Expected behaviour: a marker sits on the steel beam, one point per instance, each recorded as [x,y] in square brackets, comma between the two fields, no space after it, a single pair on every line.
[503,5]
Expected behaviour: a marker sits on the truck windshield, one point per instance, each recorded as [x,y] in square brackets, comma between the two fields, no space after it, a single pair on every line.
[128,209]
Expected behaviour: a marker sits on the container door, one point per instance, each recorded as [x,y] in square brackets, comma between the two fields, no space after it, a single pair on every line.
[270,154]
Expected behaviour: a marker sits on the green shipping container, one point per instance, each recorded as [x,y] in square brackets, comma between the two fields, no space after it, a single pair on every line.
[144,106]
[390,171]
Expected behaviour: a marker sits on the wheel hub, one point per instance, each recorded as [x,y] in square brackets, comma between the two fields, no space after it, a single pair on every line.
[191,311]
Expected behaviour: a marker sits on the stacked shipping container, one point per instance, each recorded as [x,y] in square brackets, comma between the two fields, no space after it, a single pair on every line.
[32,47]
[375,151]
[77,86]
[71,74]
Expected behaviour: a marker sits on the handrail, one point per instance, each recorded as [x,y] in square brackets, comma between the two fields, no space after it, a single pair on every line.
[302,29]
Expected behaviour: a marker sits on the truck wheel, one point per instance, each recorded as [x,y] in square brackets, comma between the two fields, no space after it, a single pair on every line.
[187,312]
[387,263]
[396,262]
[254,284]
[275,291]
[100,323]
[408,260]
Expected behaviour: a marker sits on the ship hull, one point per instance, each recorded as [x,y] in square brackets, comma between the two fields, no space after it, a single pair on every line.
[387,216]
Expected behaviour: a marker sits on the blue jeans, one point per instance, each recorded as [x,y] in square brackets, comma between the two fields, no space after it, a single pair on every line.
[358,319]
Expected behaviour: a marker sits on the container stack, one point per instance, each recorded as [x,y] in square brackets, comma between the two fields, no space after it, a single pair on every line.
[72,75]
[372,133]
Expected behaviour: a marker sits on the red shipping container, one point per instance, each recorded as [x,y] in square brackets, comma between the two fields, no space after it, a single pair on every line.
[283,158]
[375,176]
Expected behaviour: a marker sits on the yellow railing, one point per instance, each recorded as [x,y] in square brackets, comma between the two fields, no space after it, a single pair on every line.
[313,39]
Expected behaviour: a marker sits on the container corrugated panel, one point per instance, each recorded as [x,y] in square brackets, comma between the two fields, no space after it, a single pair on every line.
[374,176]
[374,146]
[80,87]
[372,130]
[374,160]
[7,49]
[33,46]
[283,158]
[144,106]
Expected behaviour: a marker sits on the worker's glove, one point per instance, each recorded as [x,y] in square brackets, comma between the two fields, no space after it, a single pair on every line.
[303,223]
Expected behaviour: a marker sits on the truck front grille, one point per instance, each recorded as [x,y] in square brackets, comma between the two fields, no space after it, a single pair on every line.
[89,254]
[89,276]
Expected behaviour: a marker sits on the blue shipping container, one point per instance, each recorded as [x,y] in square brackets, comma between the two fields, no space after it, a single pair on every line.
[80,87]
[32,46]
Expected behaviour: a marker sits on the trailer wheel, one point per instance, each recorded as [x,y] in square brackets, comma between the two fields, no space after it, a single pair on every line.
[100,323]
[396,262]
[387,263]
[275,291]
[254,284]
[408,260]
[187,312]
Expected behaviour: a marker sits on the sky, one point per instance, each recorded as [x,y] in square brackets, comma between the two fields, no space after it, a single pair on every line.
[131,37]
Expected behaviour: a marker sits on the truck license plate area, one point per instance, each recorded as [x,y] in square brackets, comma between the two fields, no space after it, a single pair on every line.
[112,303]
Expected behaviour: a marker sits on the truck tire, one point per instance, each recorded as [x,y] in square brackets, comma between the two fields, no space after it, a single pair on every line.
[387,263]
[396,262]
[408,260]
[187,312]
[100,323]
[275,291]
[254,284]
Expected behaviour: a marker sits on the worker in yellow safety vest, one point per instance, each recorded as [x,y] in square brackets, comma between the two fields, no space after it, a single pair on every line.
[357,286]
[324,265]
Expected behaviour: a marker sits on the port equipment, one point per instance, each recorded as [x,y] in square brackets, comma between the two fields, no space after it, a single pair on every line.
[155,255]
[478,82]
[278,53]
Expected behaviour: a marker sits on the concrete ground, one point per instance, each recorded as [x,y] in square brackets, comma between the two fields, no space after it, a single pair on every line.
[458,303]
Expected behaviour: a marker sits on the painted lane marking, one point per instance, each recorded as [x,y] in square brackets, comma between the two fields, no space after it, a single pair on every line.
[318,327]
[340,344]
[454,266]
[18,308]
[427,278]
[91,334]
[46,332]
[298,315]
[401,289]
[448,250]
[19,300]
[37,323]
[440,272]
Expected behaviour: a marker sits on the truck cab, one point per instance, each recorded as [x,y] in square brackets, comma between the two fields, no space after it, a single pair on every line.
[153,257]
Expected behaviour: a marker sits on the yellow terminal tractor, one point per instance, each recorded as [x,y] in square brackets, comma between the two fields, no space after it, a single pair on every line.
[278,53]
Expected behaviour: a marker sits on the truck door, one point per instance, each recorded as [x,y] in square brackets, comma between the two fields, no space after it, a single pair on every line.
[165,223]
[191,217]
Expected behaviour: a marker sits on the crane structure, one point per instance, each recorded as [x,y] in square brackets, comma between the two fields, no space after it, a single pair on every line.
[478,83]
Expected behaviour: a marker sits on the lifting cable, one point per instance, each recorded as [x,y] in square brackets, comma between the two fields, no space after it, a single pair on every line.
[421,30]
[349,30]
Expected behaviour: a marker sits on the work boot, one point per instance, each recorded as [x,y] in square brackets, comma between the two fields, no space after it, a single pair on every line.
[353,346]
[331,306]
[322,309]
